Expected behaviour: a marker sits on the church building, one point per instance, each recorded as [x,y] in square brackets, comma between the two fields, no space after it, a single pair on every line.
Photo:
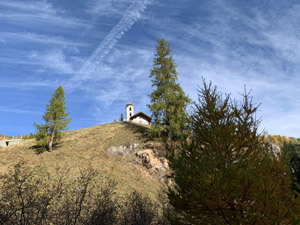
[137,118]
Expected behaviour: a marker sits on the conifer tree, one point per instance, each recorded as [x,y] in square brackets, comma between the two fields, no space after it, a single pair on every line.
[293,152]
[168,100]
[122,117]
[225,173]
[56,121]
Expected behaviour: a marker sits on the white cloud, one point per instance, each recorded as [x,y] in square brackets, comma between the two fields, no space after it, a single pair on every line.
[8,109]
[42,21]
[37,6]
[40,14]
[37,38]
[56,60]
[14,60]
[29,85]
[108,7]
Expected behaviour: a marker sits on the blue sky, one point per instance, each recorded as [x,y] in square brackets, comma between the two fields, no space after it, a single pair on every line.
[102,51]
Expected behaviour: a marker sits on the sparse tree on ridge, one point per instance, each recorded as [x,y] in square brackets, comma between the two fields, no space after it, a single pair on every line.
[56,121]
[122,117]
[168,100]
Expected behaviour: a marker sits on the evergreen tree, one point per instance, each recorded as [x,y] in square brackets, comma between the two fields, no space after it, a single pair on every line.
[56,121]
[225,173]
[122,117]
[293,152]
[31,136]
[168,100]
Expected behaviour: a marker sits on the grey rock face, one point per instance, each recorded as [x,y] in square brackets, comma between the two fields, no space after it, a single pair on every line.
[122,150]
[275,149]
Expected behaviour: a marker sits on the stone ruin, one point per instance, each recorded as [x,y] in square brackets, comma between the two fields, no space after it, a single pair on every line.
[6,143]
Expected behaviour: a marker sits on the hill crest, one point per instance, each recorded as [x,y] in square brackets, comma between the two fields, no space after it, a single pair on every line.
[84,148]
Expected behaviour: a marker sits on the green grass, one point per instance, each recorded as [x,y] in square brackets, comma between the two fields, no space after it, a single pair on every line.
[86,148]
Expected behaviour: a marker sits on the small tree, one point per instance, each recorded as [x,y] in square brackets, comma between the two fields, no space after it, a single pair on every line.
[122,117]
[56,121]
[168,100]
[225,173]
[31,136]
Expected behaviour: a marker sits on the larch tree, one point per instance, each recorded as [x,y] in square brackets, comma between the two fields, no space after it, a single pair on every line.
[225,173]
[168,101]
[56,121]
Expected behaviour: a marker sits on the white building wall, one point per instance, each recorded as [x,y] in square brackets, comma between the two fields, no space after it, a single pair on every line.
[140,120]
[129,112]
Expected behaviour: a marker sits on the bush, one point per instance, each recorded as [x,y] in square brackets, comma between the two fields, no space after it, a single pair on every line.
[140,210]
[28,198]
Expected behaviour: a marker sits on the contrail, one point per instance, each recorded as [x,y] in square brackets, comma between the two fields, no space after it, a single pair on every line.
[127,21]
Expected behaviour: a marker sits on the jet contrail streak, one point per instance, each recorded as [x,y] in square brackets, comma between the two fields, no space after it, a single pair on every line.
[127,21]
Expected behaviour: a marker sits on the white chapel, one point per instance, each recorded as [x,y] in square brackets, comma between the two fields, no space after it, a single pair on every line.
[137,118]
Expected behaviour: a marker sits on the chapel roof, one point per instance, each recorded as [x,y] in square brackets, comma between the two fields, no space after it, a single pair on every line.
[129,103]
[148,118]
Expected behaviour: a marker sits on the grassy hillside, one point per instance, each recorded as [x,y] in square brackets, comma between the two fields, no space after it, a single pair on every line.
[86,148]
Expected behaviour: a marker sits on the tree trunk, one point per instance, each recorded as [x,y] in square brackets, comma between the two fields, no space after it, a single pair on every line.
[51,140]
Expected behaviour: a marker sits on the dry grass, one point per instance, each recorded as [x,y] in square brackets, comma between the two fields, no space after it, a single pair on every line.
[86,148]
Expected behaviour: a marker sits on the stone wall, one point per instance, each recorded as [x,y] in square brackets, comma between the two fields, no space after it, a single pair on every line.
[5,143]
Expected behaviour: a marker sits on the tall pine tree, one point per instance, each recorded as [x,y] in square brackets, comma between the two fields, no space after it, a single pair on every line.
[225,173]
[168,100]
[56,121]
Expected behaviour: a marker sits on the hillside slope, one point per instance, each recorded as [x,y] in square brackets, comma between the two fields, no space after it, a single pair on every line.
[87,148]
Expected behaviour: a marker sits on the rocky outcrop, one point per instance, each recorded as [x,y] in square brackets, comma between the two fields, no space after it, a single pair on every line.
[153,163]
[122,150]
[148,160]
[152,160]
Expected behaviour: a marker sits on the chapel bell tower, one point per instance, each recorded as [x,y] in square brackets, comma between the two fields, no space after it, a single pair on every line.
[129,111]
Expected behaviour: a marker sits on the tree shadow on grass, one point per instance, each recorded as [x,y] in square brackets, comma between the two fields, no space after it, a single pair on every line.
[140,129]
[41,149]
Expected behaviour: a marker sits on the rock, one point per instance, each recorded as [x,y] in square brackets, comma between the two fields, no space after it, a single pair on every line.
[135,145]
[139,153]
[153,163]
[166,165]
[155,151]
[150,159]
[275,149]
[157,167]
[122,149]
[148,146]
